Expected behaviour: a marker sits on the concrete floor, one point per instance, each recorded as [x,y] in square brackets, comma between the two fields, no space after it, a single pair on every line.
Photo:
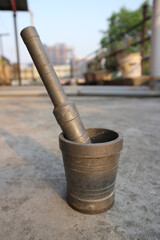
[32,181]
[99,90]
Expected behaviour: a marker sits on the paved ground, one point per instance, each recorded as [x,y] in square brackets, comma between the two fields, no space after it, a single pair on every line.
[32,180]
[31,91]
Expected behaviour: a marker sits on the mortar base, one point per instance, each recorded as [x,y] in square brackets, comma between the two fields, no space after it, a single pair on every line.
[89,206]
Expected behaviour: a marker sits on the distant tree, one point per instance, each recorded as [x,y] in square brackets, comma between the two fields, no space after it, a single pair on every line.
[118,23]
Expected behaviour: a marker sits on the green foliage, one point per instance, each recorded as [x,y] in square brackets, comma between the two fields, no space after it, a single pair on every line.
[111,64]
[114,38]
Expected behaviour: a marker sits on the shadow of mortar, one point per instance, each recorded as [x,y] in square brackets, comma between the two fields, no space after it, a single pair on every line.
[45,165]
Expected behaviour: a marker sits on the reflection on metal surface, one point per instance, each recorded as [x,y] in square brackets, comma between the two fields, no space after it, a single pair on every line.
[91,170]
[65,112]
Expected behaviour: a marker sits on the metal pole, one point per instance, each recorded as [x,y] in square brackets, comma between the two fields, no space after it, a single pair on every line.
[65,112]
[32,24]
[17,48]
[71,68]
[155,41]
[31,17]
[145,8]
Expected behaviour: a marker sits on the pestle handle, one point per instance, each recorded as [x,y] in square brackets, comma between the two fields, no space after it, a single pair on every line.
[48,75]
[65,111]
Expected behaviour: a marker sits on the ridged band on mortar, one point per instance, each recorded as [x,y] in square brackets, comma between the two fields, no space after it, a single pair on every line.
[91,170]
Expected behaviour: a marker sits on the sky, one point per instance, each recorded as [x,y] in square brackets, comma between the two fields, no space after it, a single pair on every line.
[76,23]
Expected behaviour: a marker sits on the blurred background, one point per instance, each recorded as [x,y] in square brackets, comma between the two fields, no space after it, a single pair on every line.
[108,55]
[89,43]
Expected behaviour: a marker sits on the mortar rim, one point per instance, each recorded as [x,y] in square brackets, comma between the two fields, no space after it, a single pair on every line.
[118,139]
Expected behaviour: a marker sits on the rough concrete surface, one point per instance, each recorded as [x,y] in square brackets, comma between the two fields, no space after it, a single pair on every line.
[81,90]
[32,180]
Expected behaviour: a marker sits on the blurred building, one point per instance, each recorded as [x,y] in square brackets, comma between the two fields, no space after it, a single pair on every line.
[59,54]
[63,71]
[31,73]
